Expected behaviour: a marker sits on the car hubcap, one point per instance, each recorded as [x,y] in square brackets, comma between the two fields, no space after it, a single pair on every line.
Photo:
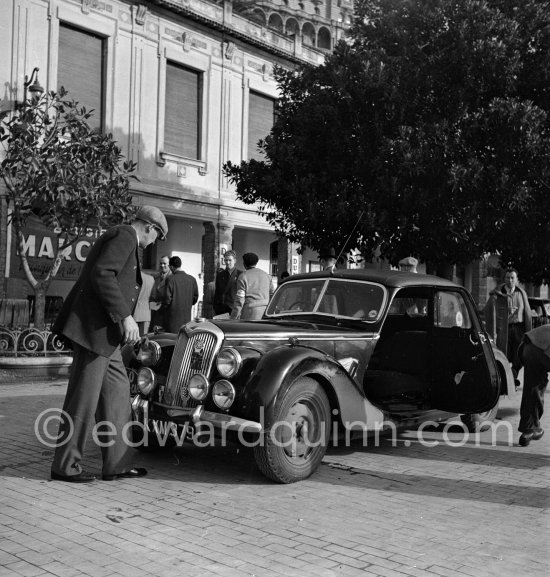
[296,438]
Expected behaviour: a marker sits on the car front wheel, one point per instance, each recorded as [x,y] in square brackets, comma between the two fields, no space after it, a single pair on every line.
[295,444]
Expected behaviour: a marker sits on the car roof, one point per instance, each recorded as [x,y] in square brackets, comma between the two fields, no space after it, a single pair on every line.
[389,278]
[538,300]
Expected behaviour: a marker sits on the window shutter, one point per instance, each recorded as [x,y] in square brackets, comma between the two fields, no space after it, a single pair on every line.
[261,115]
[81,70]
[183,112]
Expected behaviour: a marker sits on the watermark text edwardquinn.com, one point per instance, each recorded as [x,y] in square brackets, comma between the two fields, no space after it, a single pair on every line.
[284,434]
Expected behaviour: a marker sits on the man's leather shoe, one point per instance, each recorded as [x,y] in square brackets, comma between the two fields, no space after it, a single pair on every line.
[538,434]
[131,474]
[82,477]
[525,439]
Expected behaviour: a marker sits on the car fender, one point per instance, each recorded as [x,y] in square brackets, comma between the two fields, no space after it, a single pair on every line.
[505,371]
[280,367]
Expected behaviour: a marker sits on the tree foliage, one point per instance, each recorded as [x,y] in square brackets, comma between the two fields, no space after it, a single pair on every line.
[428,128]
[56,167]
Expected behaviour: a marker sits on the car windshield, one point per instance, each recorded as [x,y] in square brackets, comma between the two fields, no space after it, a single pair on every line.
[333,297]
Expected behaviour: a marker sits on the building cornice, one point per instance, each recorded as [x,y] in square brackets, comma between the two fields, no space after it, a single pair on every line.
[185,8]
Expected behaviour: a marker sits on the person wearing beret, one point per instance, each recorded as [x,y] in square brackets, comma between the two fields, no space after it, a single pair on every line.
[97,318]
[327,259]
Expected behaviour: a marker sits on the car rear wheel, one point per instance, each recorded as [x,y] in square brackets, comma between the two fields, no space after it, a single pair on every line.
[479,422]
[297,440]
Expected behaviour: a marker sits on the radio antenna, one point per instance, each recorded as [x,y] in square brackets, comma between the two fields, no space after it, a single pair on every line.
[352,231]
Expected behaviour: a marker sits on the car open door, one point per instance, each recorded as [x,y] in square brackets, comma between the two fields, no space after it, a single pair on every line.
[465,376]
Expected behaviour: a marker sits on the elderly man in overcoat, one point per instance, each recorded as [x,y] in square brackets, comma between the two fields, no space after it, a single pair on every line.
[97,318]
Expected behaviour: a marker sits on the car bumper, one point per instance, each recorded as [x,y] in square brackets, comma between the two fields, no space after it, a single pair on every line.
[144,409]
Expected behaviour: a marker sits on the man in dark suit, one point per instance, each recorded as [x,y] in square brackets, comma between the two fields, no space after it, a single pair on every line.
[226,284]
[534,354]
[97,318]
[180,295]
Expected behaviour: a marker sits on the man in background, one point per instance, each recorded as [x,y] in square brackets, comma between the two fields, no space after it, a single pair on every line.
[226,284]
[327,259]
[157,292]
[180,295]
[508,317]
[253,290]
[142,314]
[534,354]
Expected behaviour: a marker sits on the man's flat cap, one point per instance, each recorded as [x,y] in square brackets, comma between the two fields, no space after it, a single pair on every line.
[154,216]
[408,261]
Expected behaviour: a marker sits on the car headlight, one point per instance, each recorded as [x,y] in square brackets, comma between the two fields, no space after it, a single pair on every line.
[223,394]
[146,380]
[198,387]
[229,362]
[149,353]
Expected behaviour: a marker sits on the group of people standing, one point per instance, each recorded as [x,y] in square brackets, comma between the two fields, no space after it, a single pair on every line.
[241,294]
[173,294]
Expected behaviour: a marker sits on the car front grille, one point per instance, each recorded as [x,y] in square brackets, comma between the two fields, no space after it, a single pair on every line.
[194,353]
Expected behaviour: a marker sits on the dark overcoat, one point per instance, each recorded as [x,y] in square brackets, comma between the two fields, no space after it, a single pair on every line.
[180,295]
[105,293]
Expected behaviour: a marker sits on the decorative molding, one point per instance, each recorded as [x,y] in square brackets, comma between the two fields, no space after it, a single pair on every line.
[186,41]
[140,14]
[229,49]
[87,6]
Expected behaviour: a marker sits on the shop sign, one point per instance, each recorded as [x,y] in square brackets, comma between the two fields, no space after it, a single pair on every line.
[39,245]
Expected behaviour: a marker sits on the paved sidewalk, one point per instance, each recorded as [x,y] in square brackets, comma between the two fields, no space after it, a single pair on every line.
[472,509]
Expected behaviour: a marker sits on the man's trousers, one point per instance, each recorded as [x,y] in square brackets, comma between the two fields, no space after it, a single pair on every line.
[98,391]
[535,378]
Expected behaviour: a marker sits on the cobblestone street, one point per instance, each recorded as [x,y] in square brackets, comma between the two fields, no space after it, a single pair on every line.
[476,508]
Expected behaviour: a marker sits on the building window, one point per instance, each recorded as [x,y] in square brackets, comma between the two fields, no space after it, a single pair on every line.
[81,70]
[182,118]
[261,115]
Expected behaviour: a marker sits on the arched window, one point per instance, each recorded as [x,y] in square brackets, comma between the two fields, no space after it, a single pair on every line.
[275,22]
[323,39]
[308,34]
[291,27]
[258,16]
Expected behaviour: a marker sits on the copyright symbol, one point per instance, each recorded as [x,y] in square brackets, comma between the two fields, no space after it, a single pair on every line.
[51,418]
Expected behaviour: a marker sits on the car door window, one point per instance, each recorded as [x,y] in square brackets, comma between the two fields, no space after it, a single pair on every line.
[451,311]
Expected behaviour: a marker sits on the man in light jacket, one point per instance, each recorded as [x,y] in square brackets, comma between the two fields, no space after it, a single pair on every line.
[253,290]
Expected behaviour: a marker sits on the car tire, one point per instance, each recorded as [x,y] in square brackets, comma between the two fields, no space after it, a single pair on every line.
[479,422]
[297,441]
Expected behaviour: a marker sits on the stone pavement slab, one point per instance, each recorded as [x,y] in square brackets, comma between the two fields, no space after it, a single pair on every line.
[447,504]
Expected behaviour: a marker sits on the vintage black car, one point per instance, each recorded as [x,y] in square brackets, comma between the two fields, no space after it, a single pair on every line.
[540,308]
[341,351]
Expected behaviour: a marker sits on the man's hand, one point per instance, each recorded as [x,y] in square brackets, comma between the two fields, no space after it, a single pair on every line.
[131,330]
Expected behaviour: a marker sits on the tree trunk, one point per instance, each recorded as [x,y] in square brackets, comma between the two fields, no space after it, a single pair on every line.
[39,317]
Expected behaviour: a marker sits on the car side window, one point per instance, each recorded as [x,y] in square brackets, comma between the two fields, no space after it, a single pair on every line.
[451,311]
